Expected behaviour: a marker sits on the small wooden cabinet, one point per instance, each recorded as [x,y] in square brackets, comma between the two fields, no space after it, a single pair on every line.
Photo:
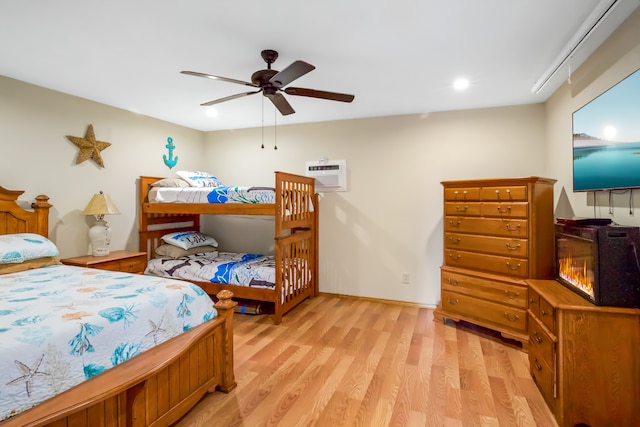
[584,359]
[497,234]
[125,261]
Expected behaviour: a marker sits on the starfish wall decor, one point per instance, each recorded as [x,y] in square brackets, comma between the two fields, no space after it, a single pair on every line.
[89,147]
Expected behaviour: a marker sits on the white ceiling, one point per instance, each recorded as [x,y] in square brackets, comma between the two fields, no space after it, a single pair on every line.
[396,57]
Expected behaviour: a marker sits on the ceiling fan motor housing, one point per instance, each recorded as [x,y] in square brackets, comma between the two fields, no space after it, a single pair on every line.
[262,77]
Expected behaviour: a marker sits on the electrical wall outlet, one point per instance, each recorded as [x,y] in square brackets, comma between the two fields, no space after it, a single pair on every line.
[405,278]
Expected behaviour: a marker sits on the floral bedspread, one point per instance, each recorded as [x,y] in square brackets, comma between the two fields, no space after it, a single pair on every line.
[61,325]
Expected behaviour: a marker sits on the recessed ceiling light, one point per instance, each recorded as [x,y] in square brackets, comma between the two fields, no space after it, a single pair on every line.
[461,84]
[211,112]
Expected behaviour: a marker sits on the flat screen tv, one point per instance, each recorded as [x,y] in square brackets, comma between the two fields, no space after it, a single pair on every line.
[606,139]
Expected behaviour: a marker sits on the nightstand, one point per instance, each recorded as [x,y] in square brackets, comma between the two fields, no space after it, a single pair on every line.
[125,261]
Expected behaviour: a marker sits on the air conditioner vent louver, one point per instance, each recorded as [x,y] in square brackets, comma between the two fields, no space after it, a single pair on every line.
[330,175]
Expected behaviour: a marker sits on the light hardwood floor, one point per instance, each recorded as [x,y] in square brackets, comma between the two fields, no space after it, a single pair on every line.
[350,362]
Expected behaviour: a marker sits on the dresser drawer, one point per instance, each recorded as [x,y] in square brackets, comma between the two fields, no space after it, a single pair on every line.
[503,194]
[133,265]
[498,314]
[487,289]
[462,194]
[534,303]
[487,226]
[461,208]
[548,315]
[109,265]
[514,267]
[543,375]
[539,338]
[504,246]
[505,210]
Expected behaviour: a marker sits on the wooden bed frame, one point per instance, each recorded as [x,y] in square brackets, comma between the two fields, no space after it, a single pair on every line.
[155,388]
[296,236]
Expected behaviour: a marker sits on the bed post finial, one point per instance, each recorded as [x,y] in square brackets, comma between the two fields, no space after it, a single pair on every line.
[41,207]
[224,299]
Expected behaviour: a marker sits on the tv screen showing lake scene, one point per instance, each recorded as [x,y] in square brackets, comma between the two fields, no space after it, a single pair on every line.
[606,139]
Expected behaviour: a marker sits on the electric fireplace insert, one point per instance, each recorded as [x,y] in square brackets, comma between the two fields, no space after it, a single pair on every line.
[600,263]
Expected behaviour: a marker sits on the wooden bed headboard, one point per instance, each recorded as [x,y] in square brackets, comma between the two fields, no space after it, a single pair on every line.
[15,219]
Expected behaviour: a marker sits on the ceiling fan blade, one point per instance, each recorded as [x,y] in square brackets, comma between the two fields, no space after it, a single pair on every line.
[224,79]
[281,104]
[229,98]
[312,93]
[295,70]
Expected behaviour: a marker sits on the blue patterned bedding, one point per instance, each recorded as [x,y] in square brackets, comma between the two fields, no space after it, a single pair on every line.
[60,325]
[224,267]
[222,194]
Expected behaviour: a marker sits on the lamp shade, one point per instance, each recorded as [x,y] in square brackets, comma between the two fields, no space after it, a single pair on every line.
[100,205]
[100,234]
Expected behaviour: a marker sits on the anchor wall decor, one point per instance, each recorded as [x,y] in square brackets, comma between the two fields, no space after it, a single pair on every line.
[170,161]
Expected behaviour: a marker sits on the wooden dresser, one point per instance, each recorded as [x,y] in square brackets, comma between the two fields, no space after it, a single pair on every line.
[497,234]
[584,359]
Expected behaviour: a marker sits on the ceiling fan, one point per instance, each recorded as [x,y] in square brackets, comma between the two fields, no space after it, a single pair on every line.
[272,82]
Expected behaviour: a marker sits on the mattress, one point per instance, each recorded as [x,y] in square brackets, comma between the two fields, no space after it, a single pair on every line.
[223,194]
[242,269]
[61,325]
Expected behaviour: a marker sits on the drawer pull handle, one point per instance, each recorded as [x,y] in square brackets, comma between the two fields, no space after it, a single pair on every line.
[507,210]
[458,208]
[544,312]
[511,318]
[454,301]
[536,337]
[453,282]
[458,256]
[532,301]
[454,225]
[516,228]
[513,248]
[457,240]
[513,268]
[511,295]
[536,364]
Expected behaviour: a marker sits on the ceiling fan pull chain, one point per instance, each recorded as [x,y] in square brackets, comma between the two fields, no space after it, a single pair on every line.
[275,129]
[262,123]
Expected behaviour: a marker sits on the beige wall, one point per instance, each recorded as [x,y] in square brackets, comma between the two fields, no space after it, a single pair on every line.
[390,220]
[618,57]
[38,158]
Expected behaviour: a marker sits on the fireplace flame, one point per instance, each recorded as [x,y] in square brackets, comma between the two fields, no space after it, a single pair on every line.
[577,275]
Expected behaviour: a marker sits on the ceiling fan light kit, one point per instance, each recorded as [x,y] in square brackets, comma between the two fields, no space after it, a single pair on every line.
[272,83]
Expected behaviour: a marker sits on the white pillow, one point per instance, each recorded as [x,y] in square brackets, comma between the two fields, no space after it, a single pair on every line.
[189,239]
[171,182]
[16,248]
[199,179]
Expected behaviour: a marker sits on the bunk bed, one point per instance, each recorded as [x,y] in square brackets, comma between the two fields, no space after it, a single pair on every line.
[156,387]
[295,208]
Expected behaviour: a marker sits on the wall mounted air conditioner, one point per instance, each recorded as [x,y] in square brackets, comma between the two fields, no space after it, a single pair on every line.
[330,175]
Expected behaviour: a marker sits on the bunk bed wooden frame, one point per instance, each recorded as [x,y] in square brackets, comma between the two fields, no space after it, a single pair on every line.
[155,388]
[296,236]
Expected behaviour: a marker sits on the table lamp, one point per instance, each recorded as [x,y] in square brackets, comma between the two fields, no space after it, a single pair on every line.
[100,234]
